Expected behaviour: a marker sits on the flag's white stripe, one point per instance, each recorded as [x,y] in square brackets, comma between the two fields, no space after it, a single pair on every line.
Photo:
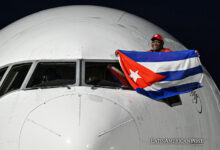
[172,65]
[166,84]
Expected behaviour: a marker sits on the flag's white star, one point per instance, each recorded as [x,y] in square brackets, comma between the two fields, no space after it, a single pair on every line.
[134,75]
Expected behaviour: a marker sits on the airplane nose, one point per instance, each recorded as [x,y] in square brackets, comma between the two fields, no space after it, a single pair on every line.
[79,122]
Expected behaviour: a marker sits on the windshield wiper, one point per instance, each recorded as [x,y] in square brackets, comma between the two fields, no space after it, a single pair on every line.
[96,86]
[111,87]
[32,88]
[126,88]
[48,86]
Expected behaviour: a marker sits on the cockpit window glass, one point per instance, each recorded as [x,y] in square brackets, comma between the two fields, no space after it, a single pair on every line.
[2,72]
[49,74]
[15,78]
[105,74]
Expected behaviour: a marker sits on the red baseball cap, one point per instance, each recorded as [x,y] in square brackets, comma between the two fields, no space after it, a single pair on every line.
[157,36]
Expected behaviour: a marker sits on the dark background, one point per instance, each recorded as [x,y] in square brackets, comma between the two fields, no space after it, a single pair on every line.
[194,23]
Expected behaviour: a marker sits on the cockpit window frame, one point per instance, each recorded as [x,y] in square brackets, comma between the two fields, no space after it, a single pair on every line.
[35,64]
[9,66]
[83,83]
[80,70]
[6,72]
[9,69]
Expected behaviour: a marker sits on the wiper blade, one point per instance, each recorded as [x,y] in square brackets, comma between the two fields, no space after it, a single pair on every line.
[48,86]
[125,88]
[32,88]
[67,86]
[96,86]
[111,87]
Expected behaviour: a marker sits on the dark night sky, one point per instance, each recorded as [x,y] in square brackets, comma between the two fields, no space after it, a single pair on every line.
[194,23]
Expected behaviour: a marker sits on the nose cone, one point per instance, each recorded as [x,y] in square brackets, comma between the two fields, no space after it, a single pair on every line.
[79,122]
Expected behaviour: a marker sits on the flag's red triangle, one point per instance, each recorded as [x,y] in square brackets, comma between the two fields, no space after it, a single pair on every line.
[148,77]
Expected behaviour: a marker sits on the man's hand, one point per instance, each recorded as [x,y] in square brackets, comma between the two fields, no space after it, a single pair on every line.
[116,53]
[197,52]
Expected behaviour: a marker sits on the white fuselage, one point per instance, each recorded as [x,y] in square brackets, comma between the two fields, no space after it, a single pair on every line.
[81,116]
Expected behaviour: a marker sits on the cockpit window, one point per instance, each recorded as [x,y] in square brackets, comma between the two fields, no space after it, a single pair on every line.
[2,72]
[105,74]
[53,74]
[15,78]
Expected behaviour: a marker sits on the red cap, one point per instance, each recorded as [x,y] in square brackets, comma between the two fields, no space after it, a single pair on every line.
[157,36]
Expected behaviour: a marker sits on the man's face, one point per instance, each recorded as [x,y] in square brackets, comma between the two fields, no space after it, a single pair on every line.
[157,45]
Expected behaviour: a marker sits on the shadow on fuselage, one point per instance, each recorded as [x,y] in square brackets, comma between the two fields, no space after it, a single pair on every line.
[172,101]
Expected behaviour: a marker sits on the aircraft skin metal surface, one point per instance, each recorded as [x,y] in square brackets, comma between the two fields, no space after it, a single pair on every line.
[84,118]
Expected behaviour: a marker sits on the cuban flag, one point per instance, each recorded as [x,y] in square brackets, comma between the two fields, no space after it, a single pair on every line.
[118,76]
[160,75]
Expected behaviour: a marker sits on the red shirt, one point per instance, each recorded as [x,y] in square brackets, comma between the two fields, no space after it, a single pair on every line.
[163,50]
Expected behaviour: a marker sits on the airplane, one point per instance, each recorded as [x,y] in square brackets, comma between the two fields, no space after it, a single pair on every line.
[56,92]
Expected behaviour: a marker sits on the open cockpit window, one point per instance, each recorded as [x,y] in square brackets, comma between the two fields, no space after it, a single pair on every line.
[15,78]
[105,74]
[49,74]
[2,72]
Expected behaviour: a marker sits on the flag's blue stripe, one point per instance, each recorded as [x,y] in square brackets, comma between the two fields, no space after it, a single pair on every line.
[171,91]
[159,56]
[178,75]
